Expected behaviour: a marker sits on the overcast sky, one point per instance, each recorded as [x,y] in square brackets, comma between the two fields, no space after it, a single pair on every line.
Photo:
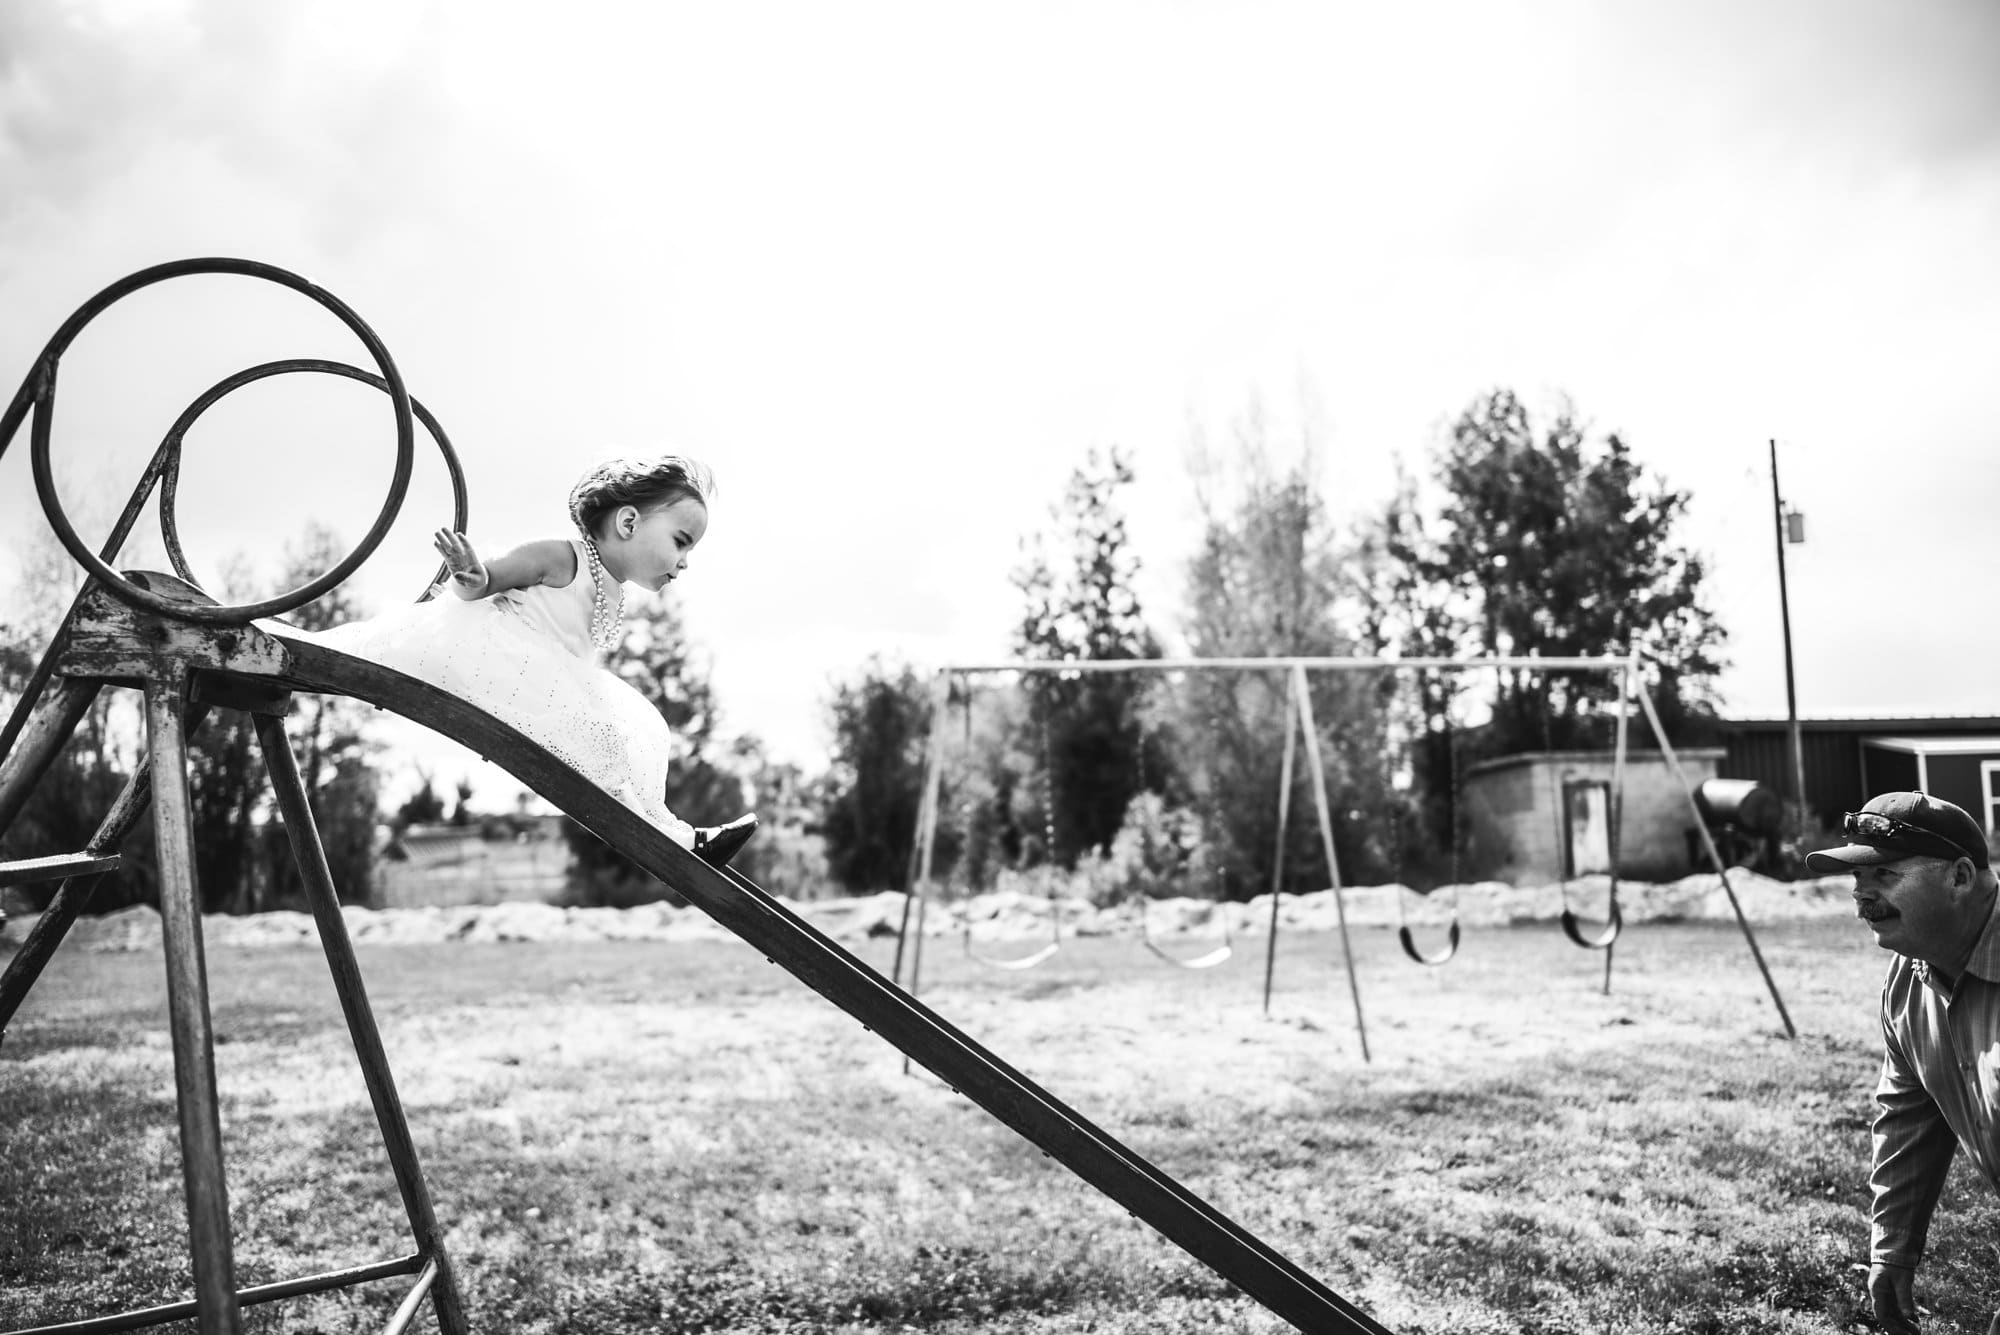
[893,268]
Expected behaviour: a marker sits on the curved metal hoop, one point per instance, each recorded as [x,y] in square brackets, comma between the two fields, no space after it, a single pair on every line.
[171,447]
[1613,925]
[114,583]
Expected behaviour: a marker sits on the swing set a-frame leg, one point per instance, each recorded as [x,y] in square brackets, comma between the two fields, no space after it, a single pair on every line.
[1302,692]
[1284,811]
[1715,857]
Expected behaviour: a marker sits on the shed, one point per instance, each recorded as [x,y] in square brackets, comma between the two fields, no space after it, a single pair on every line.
[1544,815]
[1965,770]
[1849,760]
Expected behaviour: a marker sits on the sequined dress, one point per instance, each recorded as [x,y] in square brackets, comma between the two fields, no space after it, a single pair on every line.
[525,656]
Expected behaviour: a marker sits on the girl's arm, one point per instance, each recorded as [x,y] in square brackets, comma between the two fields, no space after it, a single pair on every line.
[547,561]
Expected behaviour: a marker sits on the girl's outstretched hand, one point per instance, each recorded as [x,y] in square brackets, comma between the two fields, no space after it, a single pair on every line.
[469,576]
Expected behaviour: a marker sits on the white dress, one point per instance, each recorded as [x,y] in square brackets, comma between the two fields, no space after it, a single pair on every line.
[525,656]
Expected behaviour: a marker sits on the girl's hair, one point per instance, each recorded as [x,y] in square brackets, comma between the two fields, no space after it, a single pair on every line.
[645,483]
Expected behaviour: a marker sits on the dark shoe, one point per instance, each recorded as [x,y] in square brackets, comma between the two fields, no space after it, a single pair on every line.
[716,844]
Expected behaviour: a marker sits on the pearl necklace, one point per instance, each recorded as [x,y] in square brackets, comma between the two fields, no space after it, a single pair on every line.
[607,624]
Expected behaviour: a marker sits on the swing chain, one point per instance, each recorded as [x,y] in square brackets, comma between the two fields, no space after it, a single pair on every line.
[1394,798]
[1049,854]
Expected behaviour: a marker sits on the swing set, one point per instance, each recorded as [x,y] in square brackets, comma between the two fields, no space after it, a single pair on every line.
[1300,722]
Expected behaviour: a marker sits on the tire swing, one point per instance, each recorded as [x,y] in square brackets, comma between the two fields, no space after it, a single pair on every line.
[1210,820]
[1054,943]
[1403,930]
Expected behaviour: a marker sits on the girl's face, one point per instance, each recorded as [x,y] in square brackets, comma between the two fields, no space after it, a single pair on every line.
[650,547]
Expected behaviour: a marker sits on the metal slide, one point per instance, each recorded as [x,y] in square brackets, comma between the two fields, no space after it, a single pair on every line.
[127,631]
[821,964]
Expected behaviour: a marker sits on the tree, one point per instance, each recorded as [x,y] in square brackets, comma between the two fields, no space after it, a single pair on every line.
[228,790]
[1548,543]
[655,656]
[879,723]
[1081,604]
[993,813]
[226,785]
[64,810]
[423,807]
[788,856]
[327,734]
[1273,577]
[1406,614]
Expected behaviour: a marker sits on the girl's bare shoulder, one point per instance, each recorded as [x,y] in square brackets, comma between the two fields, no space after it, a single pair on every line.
[550,561]
[556,560]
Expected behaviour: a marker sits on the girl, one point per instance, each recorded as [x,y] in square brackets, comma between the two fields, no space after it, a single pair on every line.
[523,636]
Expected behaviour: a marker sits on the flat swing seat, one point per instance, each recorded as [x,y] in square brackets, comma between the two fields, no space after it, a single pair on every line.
[1214,957]
[1025,962]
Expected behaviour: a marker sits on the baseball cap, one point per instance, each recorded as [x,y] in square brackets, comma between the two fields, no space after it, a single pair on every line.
[1900,825]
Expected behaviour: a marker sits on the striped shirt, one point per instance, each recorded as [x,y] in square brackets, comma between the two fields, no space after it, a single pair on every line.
[1940,1089]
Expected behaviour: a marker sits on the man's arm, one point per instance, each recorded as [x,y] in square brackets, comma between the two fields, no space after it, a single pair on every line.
[1913,1149]
[1913,1146]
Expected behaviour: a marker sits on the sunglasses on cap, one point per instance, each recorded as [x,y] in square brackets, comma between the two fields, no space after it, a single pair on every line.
[1878,830]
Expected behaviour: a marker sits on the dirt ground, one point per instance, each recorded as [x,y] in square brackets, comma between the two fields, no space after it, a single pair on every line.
[532,1072]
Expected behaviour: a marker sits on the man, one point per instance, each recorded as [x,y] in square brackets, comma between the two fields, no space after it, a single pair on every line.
[1924,886]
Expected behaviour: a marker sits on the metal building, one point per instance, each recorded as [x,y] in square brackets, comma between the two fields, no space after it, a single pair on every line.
[1849,760]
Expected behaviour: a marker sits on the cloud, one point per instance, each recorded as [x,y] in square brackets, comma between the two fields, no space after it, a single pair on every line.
[76,99]
[1868,86]
[336,111]
[894,241]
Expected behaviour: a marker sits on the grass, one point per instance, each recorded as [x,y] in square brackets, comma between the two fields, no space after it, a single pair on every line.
[680,1138]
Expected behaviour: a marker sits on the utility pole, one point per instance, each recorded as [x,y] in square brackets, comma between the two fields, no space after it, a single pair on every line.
[1794,531]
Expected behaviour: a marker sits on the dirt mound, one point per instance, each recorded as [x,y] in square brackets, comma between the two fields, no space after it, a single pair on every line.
[1008,915]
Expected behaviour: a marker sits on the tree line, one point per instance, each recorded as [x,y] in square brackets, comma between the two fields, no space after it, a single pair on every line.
[1521,538]
[1525,538]
[243,862]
